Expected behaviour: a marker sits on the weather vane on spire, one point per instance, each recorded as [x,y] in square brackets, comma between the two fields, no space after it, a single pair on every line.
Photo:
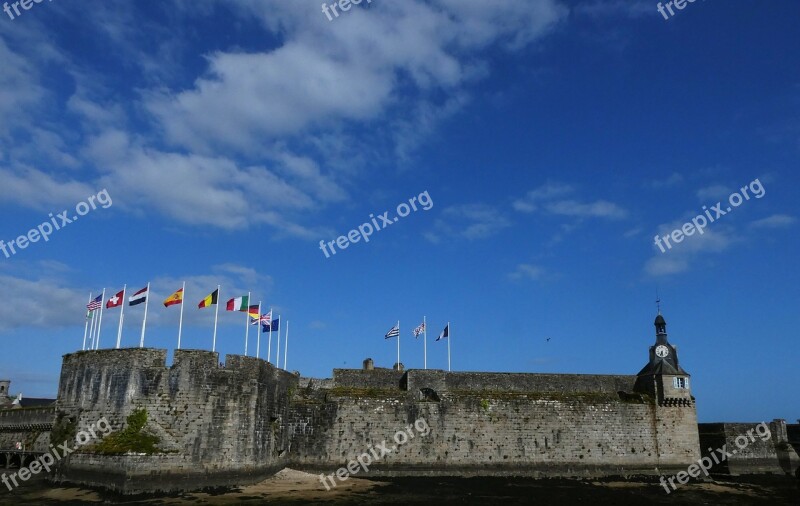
[658,302]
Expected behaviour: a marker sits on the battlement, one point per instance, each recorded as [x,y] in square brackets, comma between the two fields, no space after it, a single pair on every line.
[445,381]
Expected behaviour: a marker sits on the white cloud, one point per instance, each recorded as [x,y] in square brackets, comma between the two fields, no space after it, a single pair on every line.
[265,135]
[673,179]
[469,221]
[597,209]
[716,239]
[546,192]
[714,192]
[66,304]
[527,271]
[774,221]
[19,87]
[30,187]
[550,199]
[44,302]
[325,73]
[614,8]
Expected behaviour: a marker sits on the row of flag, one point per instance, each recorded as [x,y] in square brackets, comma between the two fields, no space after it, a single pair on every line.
[241,304]
[421,329]
[92,331]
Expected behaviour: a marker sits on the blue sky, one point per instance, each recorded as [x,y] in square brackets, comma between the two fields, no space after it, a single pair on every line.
[555,140]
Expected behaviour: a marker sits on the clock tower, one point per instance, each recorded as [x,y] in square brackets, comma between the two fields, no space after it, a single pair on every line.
[663,378]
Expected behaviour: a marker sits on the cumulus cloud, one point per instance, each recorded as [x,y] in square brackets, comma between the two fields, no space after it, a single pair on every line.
[262,134]
[349,70]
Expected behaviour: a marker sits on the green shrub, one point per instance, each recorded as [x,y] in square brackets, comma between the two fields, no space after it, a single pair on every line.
[64,429]
[132,439]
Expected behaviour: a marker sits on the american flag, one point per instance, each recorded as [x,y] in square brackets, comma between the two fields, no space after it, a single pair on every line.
[95,304]
[419,330]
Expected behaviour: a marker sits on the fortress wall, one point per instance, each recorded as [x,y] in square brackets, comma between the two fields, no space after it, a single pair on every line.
[517,382]
[678,440]
[26,417]
[358,378]
[482,434]
[222,425]
[772,455]
[30,426]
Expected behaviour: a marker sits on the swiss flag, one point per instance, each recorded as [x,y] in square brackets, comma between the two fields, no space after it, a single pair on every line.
[116,300]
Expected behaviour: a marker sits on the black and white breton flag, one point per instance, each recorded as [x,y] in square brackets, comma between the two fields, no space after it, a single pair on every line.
[394,332]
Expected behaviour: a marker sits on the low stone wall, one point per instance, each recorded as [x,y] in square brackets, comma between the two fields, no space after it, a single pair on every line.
[748,454]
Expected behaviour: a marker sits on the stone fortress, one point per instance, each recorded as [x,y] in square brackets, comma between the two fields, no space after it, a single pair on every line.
[239,423]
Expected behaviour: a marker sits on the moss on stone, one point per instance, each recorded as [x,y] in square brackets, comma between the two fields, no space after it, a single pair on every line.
[132,439]
[365,393]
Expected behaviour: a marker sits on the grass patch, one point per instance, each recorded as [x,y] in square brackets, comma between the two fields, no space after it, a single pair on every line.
[132,439]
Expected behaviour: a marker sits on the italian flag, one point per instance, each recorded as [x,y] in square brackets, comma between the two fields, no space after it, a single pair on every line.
[238,304]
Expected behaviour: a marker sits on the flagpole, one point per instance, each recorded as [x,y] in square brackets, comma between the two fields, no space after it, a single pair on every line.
[100,323]
[144,321]
[258,332]
[278,352]
[180,321]
[91,330]
[448,346]
[286,345]
[425,342]
[121,311]
[269,347]
[86,325]
[398,345]
[216,315]
[247,324]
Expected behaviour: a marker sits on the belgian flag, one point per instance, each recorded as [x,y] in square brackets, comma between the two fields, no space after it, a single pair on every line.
[209,300]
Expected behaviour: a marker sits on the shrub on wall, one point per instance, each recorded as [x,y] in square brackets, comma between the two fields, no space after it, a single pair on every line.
[132,439]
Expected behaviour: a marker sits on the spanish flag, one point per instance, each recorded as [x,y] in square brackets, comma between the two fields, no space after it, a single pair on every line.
[175,298]
[209,300]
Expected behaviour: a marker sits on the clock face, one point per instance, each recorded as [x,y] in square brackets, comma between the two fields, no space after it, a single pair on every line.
[662,351]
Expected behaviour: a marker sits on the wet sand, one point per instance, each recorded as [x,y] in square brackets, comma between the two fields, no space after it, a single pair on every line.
[291,487]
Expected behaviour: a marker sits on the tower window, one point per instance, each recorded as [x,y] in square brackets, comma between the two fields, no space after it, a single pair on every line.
[680,382]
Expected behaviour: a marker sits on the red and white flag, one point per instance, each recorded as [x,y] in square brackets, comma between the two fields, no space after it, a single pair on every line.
[116,300]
